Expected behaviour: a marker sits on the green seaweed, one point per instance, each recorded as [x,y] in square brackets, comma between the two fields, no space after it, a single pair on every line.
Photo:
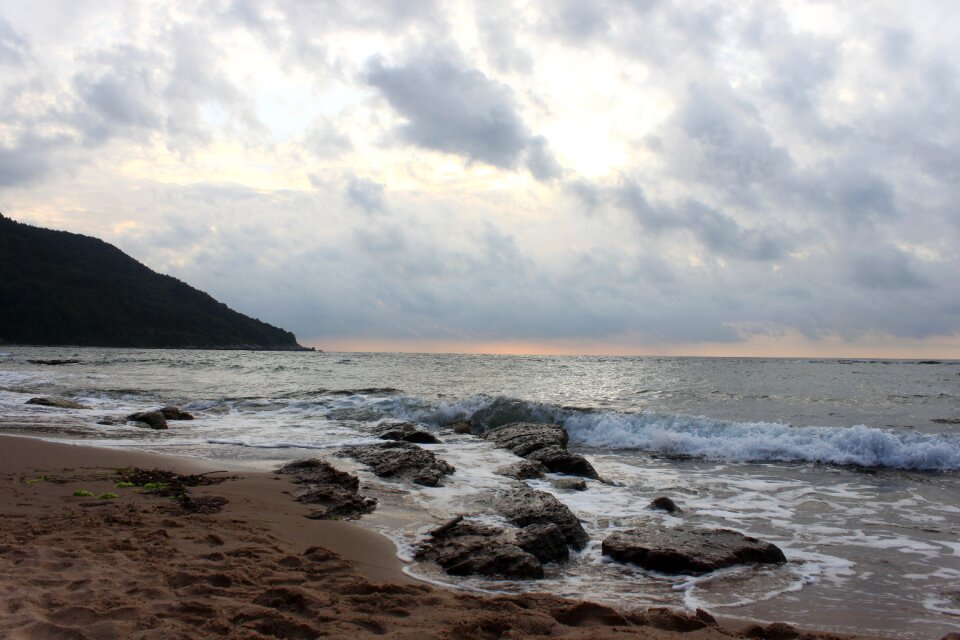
[82,493]
[106,496]
[123,485]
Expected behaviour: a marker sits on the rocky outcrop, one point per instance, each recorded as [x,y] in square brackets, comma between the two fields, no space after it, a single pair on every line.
[544,443]
[334,492]
[405,432]
[401,460]
[524,506]
[59,403]
[688,550]
[464,548]
[523,470]
[54,362]
[152,419]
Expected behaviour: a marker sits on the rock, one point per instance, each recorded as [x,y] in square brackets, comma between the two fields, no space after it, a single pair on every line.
[569,484]
[680,621]
[545,541]
[53,362]
[60,403]
[174,413]
[504,411]
[664,503]
[523,438]
[401,460]
[153,419]
[685,549]
[335,491]
[524,506]
[523,470]
[946,420]
[465,548]
[461,427]
[405,432]
[544,443]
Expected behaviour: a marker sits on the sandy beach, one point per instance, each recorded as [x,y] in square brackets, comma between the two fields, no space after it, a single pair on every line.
[142,566]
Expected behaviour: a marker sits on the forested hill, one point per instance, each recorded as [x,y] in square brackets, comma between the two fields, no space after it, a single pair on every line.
[60,288]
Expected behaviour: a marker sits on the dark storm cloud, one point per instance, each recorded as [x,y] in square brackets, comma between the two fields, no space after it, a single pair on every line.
[366,194]
[454,108]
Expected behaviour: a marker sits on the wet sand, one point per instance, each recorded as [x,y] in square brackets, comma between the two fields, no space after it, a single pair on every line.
[140,566]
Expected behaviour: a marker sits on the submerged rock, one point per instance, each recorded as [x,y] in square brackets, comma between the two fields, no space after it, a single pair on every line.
[54,362]
[523,470]
[152,419]
[569,484]
[685,549]
[405,432]
[524,506]
[544,443]
[664,503]
[59,403]
[401,460]
[335,491]
[171,412]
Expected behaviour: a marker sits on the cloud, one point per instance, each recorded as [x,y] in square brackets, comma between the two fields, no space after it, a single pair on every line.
[366,194]
[13,48]
[451,107]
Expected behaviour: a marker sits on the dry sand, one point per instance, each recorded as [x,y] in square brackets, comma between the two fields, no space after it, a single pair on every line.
[140,566]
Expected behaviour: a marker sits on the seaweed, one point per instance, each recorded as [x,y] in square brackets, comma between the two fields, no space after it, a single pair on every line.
[169,484]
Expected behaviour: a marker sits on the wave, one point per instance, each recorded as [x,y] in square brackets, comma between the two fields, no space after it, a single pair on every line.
[701,437]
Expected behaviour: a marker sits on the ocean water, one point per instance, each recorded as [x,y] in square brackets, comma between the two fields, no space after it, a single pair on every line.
[852,467]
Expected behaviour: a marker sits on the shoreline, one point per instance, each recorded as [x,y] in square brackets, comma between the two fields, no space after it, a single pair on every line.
[67,564]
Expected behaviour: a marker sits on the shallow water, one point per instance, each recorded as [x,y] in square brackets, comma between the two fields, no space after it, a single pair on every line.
[846,465]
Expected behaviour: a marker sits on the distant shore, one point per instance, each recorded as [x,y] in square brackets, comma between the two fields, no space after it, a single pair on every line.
[139,565]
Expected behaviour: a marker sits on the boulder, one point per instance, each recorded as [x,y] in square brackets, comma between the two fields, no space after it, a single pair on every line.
[152,419]
[545,541]
[405,432]
[688,550]
[60,403]
[171,412]
[664,503]
[466,548]
[524,506]
[569,484]
[401,460]
[544,443]
[336,492]
[461,427]
[523,470]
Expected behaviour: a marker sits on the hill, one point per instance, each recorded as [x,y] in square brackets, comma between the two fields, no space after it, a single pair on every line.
[60,288]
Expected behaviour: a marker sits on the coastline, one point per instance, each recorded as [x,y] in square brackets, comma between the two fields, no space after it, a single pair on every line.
[138,566]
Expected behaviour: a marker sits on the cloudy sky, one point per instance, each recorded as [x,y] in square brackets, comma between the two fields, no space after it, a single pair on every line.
[559,176]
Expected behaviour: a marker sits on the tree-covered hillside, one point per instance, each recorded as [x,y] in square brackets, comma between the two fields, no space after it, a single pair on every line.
[60,288]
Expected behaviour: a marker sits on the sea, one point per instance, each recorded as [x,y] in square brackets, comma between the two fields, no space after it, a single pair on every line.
[852,467]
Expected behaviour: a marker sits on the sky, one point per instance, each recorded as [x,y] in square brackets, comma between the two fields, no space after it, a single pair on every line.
[763,177]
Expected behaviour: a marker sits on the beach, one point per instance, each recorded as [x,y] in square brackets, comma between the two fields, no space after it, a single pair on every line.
[139,566]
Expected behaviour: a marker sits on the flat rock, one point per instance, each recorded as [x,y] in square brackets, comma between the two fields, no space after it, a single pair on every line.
[543,443]
[524,506]
[688,550]
[401,460]
[60,403]
[405,432]
[334,492]
[152,419]
[523,470]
